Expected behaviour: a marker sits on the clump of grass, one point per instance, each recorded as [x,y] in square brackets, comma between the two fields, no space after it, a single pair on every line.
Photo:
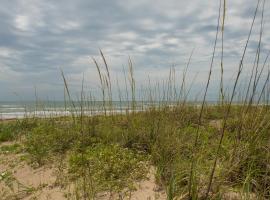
[13,130]
[49,139]
[108,168]
[14,148]
[8,131]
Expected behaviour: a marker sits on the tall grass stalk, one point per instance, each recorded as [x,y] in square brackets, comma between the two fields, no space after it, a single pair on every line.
[222,52]
[195,146]
[240,68]
[69,96]
[102,86]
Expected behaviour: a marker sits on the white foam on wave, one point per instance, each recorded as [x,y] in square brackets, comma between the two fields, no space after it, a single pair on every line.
[12,108]
[41,114]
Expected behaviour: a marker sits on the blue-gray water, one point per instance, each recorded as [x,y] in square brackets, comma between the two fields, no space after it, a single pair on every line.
[17,110]
[12,109]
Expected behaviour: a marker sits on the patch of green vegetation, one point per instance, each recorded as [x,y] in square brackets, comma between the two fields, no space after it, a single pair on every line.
[110,153]
[7,132]
[49,139]
[14,148]
[13,130]
[108,168]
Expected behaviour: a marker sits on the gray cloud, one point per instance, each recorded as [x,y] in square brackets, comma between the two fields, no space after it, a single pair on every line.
[37,38]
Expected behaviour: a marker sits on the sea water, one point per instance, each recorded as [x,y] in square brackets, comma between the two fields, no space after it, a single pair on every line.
[19,109]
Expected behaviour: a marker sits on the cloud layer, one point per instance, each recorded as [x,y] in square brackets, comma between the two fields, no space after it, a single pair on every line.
[37,38]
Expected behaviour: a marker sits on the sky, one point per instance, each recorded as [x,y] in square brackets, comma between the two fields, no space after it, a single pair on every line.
[40,37]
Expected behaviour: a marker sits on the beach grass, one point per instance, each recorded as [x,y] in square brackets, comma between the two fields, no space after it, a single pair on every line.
[113,153]
[199,150]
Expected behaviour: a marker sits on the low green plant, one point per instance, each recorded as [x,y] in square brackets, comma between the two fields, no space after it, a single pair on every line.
[14,148]
[49,139]
[108,168]
[8,131]
[15,129]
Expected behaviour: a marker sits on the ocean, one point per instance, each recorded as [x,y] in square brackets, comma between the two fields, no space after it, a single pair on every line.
[22,109]
[18,110]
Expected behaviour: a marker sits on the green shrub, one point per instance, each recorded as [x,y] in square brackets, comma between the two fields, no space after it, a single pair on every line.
[8,131]
[48,139]
[12,130]
[108,167]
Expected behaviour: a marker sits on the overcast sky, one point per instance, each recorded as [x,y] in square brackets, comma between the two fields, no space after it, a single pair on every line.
[38,37]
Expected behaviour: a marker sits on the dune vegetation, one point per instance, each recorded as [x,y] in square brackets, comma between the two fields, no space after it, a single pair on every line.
[197,150]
